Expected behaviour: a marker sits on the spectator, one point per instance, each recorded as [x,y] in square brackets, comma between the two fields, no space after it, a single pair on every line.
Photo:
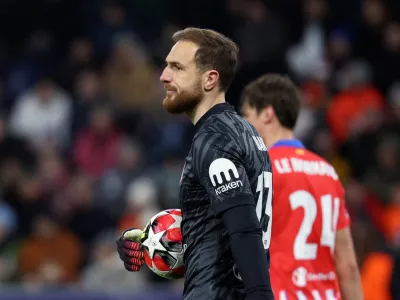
[97,145]
[42,115]
[132,79]
[51,255]
[348,110]
[386,172]
[111,187]
[141,205]
[88,93]
[85,220]
[105,273]
[81,56]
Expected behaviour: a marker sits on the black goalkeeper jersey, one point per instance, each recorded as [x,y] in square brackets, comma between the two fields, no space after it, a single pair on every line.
[227,166]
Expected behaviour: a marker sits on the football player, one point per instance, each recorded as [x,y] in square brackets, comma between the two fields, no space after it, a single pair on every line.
[312,254]
[226,185]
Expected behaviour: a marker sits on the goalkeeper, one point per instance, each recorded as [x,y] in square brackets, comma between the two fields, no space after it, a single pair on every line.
[226,185]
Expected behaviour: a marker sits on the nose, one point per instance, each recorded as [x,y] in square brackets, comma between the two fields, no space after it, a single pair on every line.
[166,76]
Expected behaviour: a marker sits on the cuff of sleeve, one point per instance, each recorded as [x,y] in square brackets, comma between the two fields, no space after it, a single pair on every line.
[228,203]
[343,225]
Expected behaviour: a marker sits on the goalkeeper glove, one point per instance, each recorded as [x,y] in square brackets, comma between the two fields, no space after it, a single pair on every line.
[130,249]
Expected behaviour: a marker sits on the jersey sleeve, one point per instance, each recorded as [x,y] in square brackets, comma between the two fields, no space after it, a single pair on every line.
[219,166]
[344,217]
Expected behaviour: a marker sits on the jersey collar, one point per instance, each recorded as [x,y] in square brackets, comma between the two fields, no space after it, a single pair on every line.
[288,143]
[216,109]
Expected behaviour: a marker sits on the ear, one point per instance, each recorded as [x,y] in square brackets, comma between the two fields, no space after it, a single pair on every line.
[211,80]
[267,115]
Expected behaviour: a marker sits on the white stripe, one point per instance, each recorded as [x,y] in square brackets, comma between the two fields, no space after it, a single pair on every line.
[282,295]
[264,148]
[330,295]
[316,295]
[257,142]
[300,296]
[260,143]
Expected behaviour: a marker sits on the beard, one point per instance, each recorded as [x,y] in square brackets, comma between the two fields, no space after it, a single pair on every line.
[183,101]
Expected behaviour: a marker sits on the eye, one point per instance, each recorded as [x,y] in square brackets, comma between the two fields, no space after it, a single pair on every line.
[177,68]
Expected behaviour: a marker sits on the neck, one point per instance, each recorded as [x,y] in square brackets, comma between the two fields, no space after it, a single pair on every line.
[276,134]
[205,105]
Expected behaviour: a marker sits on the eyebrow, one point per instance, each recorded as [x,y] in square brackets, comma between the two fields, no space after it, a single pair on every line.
[173,63]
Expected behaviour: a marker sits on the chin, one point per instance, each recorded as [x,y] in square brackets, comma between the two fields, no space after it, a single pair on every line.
[182,102]
[172,107]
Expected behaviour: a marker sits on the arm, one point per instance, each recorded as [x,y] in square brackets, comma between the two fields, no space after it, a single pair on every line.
[219,161]
[248,252]
[346,266]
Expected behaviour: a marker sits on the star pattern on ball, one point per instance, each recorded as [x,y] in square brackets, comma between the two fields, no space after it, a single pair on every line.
[177,223]
[153,242]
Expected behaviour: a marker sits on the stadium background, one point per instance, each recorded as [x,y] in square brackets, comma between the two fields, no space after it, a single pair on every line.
[86,149]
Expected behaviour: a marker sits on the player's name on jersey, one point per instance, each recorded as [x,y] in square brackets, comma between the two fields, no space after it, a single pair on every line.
[309,167]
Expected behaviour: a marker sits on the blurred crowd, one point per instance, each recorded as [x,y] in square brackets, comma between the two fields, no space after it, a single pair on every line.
[86,149]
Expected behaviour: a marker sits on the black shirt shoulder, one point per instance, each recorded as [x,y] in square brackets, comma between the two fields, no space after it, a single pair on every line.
[225,155]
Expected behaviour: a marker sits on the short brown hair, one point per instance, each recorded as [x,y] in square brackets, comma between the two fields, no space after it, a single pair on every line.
[216,52]
[277,91]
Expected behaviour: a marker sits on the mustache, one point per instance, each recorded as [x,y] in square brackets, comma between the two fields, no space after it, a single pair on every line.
[168,87]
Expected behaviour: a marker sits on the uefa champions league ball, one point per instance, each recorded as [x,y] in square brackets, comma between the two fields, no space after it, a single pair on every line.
[163,249]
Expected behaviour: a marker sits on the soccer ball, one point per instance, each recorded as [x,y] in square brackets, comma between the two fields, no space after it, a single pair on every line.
[162,244]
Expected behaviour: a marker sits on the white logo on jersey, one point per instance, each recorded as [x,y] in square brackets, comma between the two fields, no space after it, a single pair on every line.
[223,166]
[259,143]
[301,276]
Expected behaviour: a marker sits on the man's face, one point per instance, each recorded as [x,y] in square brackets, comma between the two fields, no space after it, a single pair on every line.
[251,115]
[181,78]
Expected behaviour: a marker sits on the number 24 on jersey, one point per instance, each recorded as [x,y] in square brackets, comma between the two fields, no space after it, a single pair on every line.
[303,199]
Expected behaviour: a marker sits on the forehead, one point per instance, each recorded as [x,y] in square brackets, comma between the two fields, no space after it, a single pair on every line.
[182,52]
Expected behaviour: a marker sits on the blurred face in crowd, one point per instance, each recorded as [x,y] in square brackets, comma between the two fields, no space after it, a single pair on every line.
[355,194]
[182,79]
[392,37]
[81,50]
[50,167]
[324,143]
[45,90]
[373,12]
[101,121]
[128,157]
[113,15]
[88,86]
[387,153]
[45,227]
[339,47]
[395,108]
[80,190]
[315,9]
[30,188]
[10,172]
